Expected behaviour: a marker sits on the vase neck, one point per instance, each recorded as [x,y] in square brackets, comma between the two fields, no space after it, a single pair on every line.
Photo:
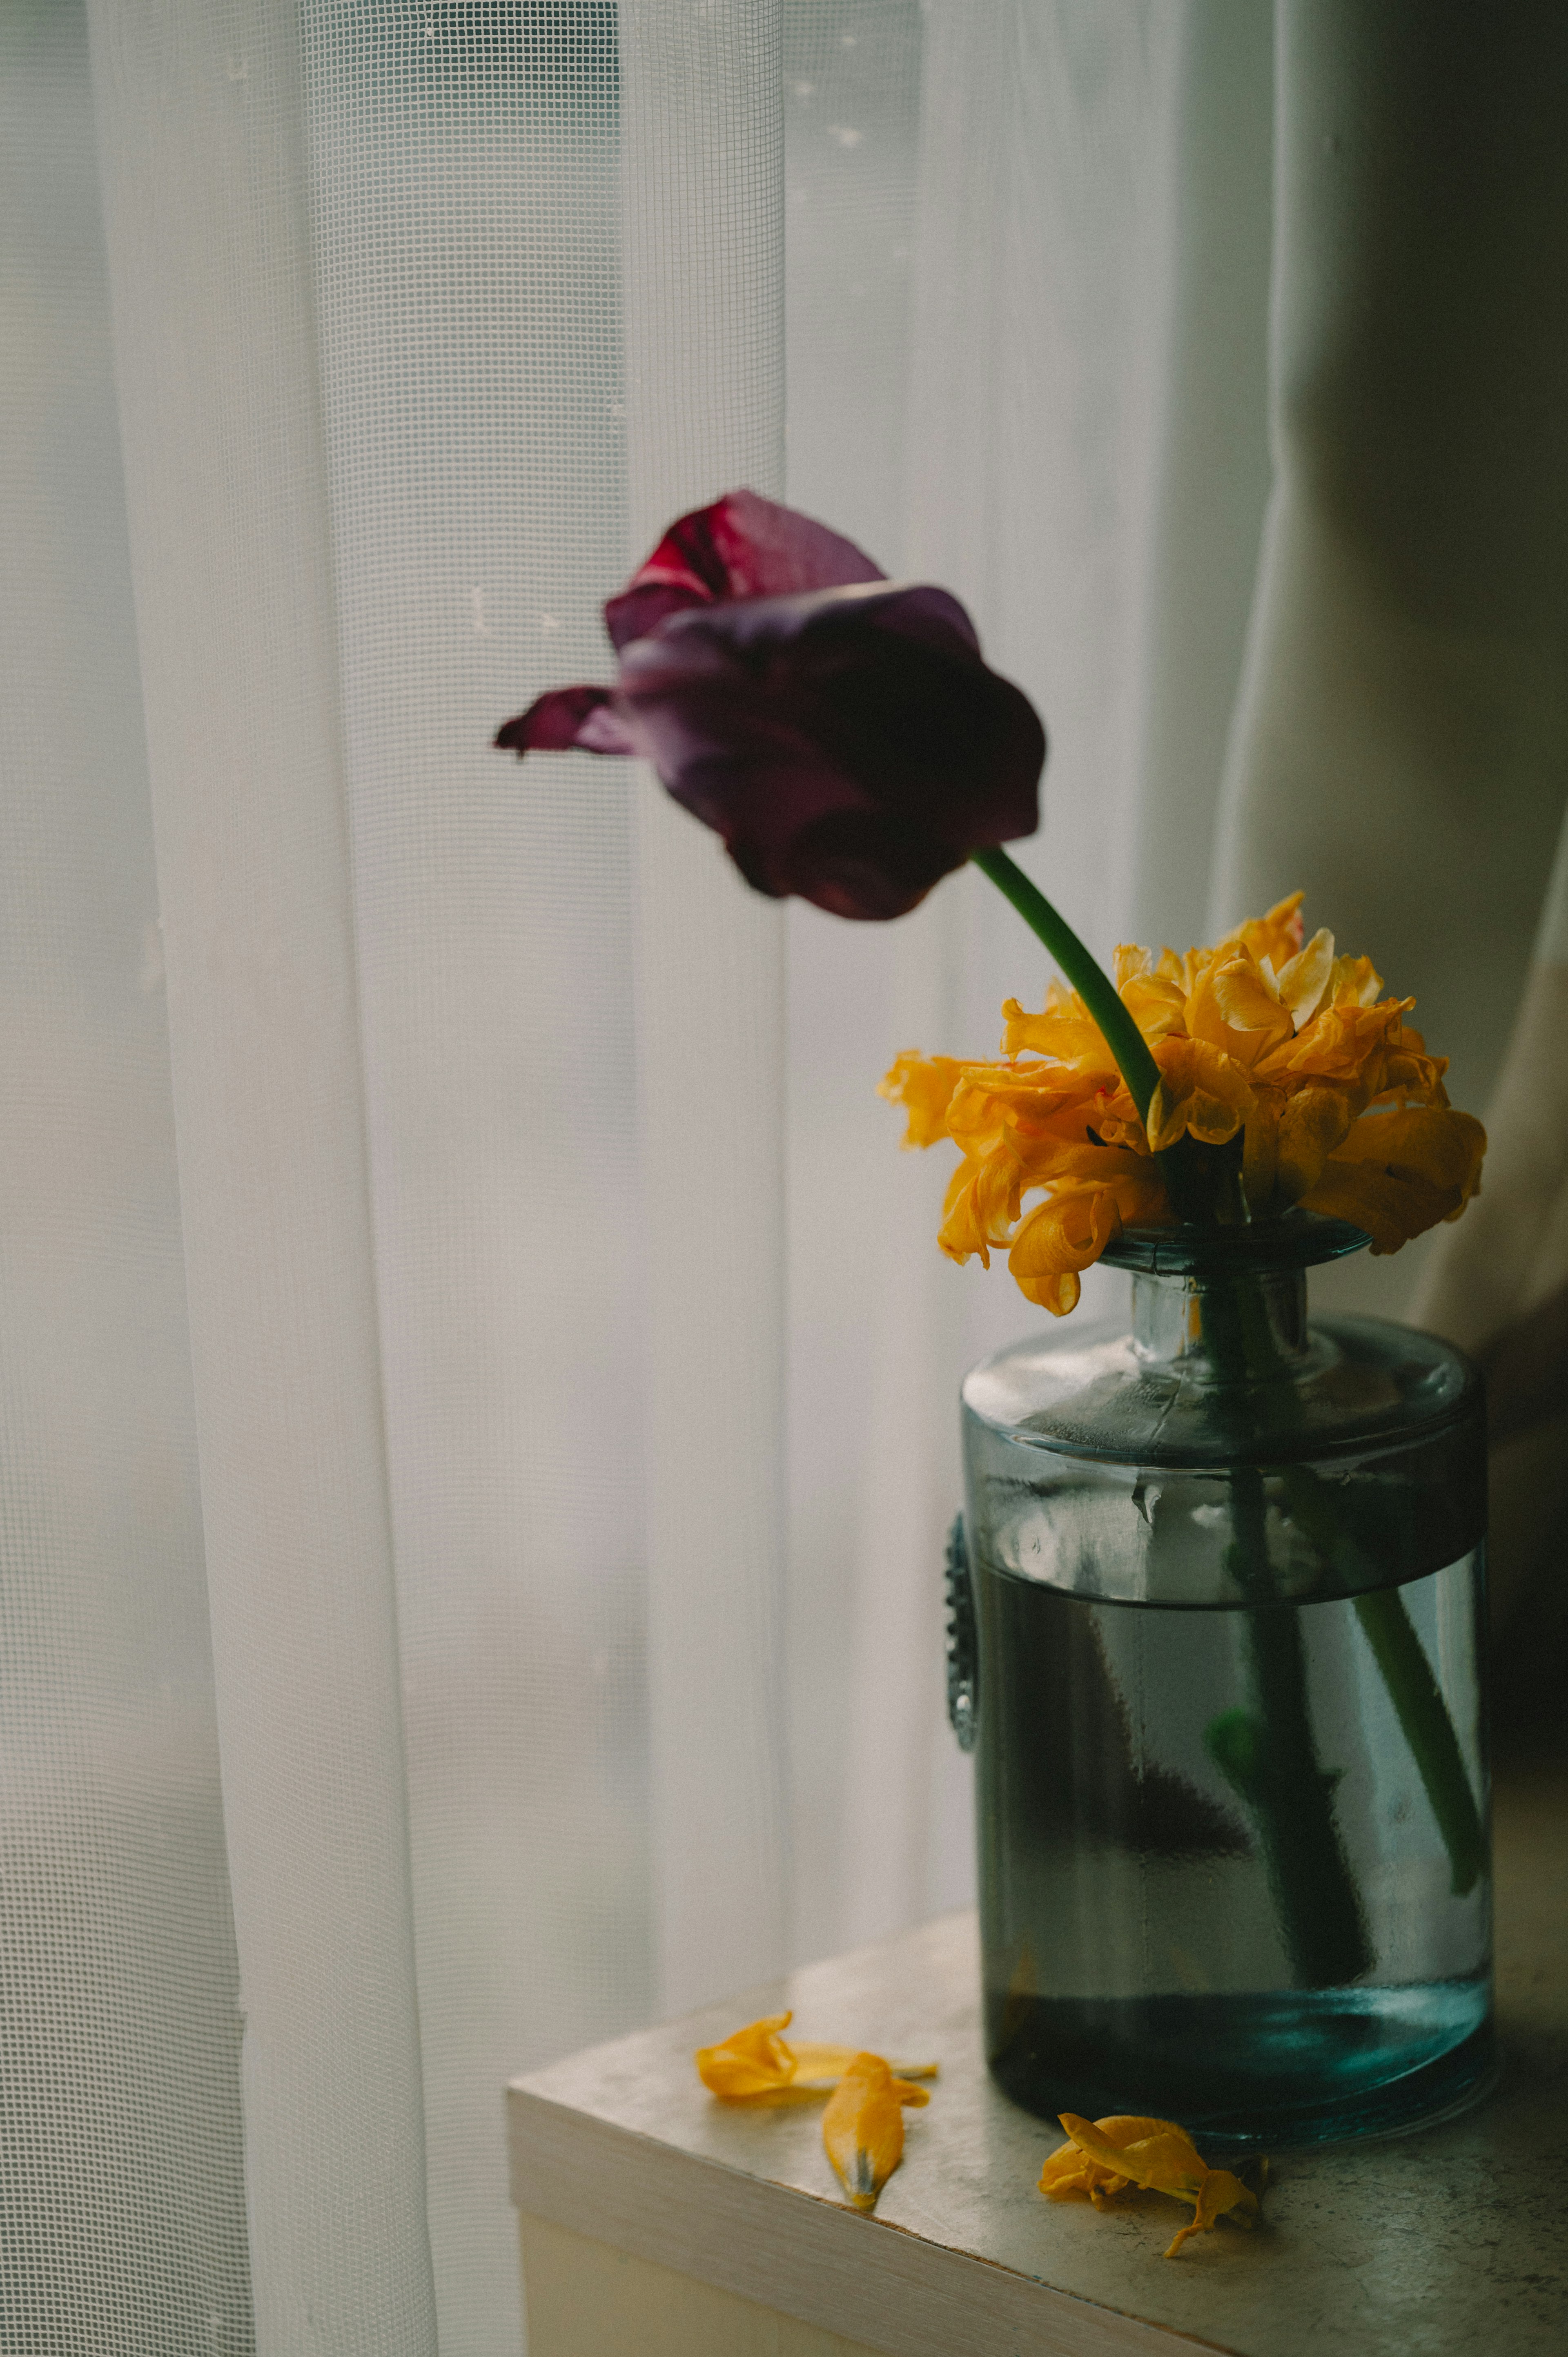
[1246,1327]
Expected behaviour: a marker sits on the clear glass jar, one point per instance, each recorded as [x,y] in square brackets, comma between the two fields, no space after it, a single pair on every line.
[1218,1641]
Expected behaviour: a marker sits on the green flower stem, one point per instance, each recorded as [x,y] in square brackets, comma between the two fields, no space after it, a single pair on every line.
[1385,1622]
[1406,1672]
[1085,973]
[1422,1713]
[1270,1756]
[1186,1182]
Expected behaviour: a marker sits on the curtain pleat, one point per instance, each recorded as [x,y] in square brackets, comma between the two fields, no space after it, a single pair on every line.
[465,172]
[703,209]
[202,157]
[121,2178]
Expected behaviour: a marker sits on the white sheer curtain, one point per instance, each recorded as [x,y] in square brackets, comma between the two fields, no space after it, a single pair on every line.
[479,1377]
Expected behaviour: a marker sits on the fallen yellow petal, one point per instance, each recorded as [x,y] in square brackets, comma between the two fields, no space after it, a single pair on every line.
[823,2066]
[751,2061]
[1105,2157]
[755,2064]
[863,2128]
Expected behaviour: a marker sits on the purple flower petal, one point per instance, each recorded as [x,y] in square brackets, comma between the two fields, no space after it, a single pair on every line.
[742,547]
[841,732]
[850,746]
[565,718]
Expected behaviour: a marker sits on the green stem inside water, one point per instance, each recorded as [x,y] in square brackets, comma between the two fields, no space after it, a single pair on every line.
[1268,1756]
[1423,1716]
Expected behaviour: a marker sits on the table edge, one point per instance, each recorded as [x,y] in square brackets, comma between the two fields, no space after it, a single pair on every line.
[811,2258]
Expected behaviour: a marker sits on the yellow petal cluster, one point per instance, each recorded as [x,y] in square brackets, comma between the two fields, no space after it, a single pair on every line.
[1110,2158]
[1267,1039]
[863,2128]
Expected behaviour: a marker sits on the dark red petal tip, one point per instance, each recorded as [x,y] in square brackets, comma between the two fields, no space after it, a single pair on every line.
[741,546]
[565,719]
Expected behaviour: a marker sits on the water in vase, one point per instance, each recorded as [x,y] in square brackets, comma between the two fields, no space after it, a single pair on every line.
[1141,1946]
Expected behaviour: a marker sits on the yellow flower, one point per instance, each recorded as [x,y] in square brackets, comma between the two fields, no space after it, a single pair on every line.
[863,2128]
[1275,1048]
[755,2064]
[1106,2158]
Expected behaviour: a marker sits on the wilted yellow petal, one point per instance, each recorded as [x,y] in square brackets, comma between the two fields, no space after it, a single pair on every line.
[755,2063]
[1220,2195]
[1409,1073]
[982,1205]
[1107,2157]
[1397,1174]
[1071,2169]
[1303,978]
[1153,2153]
[924,1086]
[820,2067]
[1201,1089]
[1063,1031]
[863,2128]
[1058,1238]
[1277,936]
[1241,991]
[1157,1004]
[1313,1122]
[1022,1033]
[1355,981]
[751,2061]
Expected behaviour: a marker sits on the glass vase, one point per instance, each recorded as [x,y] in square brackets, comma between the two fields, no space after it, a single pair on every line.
[1217,1628]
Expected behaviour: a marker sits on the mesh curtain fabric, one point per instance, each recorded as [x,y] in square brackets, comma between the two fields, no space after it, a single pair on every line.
[477,1376]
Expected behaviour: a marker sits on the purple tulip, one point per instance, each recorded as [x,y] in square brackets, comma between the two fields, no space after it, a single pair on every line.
[841,732]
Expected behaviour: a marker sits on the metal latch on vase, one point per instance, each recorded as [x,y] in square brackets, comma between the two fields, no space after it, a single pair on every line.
[963,1697]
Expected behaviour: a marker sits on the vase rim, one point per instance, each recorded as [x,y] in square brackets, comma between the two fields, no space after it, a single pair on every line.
[1298,1240]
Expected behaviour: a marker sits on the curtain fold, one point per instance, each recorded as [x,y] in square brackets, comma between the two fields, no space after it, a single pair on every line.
[466,209]
[703,256]
[122,2177]
[202,151]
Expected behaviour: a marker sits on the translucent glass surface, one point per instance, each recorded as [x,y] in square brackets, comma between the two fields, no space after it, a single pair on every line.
[1231,1737]
[1102,1462]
